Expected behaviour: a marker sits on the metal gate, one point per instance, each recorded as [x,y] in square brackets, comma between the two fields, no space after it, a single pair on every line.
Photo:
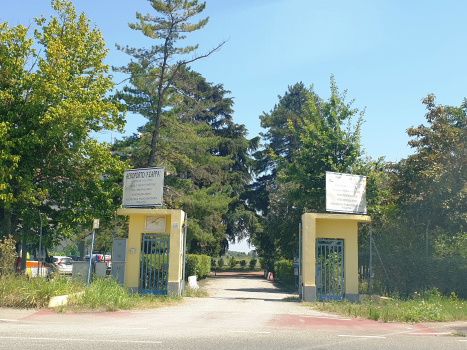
[154,264]
[329,269]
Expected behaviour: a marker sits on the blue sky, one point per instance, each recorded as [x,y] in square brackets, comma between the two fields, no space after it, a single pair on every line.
[387,54]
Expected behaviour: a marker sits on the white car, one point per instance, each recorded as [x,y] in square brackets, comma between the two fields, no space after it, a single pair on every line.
[63,264]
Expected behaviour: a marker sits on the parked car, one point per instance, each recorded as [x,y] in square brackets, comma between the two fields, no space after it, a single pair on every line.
[62,264]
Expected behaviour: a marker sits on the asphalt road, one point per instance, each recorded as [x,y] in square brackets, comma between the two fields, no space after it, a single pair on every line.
[242,312]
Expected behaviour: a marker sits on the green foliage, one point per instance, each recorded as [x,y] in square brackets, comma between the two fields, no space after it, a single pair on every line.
[7,255]
[253,263]
[430,185]
[232,262]
[104,293]
[21,292]
[54,102]
[220,262]
[152,73]
[197,265]
[306,136]
[284,273]
[242,263]
[189,131]
[267,264]
[431,306]
[420,231]
[206,159]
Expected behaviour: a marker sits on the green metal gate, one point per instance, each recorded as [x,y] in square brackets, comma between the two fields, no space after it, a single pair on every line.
[329,269]
[154,264]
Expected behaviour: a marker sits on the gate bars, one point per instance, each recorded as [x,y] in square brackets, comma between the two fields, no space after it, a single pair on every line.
[155,264]
[329,269]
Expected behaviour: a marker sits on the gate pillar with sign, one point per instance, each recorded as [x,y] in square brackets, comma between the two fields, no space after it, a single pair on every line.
[337,237]
[154,224]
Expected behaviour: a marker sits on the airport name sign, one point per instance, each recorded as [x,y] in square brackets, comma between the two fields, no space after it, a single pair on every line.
[345,193]
[143,187]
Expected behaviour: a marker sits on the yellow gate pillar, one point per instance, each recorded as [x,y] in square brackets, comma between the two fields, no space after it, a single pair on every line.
[154,221]
[330,226]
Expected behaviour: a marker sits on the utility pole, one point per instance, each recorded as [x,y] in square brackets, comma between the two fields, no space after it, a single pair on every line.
[39,265]
[95,225]
[371,260]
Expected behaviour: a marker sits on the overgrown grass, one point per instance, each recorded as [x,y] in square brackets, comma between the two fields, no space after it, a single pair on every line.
[20,292]
[106,295]
[430,306]
[195,292]
[103,294]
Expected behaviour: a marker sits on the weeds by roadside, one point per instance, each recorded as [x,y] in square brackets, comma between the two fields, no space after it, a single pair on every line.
[195,292]
[430,306]
[104,294]
[21,292]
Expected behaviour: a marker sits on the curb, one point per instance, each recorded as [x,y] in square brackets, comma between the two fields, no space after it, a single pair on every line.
[61,300]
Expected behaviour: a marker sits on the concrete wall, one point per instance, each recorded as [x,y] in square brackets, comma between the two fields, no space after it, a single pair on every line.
[174,227]
[333,226]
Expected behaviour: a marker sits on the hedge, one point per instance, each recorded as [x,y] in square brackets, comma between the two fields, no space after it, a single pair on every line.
[197,265]
[284,272]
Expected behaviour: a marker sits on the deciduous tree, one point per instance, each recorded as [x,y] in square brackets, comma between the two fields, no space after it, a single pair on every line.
[53,102]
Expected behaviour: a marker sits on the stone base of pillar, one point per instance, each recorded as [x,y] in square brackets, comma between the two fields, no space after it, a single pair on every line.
[353,298]
[309,294]
[174,288]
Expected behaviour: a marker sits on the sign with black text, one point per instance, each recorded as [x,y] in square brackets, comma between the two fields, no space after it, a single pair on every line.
[143,187]
[345,193]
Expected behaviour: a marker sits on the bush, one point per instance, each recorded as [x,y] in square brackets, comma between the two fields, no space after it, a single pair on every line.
[197,265]
[220,262]
[284,272]
[7,255]
[243,263]
[205,266]
[233,262]
[253,263]
[267,264]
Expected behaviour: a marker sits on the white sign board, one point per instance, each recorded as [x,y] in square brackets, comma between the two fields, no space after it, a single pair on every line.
[143,187]
[345,193]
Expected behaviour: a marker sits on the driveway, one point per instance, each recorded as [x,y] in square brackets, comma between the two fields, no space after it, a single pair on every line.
[248,285]
[242,312]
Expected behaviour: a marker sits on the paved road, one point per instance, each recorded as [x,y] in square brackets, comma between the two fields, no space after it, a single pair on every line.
[242,312]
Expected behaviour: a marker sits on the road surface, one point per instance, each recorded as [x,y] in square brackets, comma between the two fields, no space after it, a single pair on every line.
[242,312]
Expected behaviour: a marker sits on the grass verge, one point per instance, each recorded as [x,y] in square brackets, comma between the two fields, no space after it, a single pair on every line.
[430,306]
[103,294]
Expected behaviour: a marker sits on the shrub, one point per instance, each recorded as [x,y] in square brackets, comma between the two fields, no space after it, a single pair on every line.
[267,264]
[191,265]
[253,263]
[205,266]
[220,262]
[7,255]
[243,263]
[233,262]
[284,272]
[197,265]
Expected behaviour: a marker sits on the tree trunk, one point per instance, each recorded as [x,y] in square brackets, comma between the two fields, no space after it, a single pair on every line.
[7,224]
